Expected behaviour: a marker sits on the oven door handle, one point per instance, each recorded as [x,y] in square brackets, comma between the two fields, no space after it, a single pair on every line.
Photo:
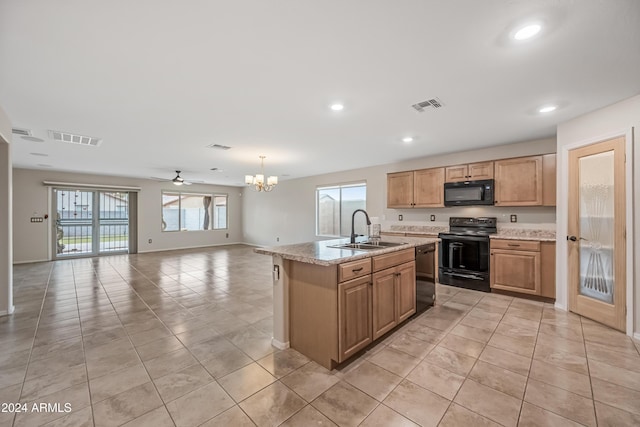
[462,275]
[451,238]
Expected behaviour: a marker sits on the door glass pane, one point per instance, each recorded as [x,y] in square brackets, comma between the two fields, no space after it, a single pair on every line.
[597,226]
[74,222]
[114,221]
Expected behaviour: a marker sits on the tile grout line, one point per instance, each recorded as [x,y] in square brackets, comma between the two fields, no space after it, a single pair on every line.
[476,361]
[35,333]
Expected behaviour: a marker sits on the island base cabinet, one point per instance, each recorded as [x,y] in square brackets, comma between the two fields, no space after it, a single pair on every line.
[354,316]
[394,297]
[406,291]
[384,297]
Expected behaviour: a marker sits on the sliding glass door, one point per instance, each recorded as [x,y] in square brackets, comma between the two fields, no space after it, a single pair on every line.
[89,223]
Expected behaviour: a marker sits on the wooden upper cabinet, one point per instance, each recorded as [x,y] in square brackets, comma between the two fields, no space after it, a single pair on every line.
[470,172]
[428,188]
[416,189]
[549,179]
[518,181]
[400,190]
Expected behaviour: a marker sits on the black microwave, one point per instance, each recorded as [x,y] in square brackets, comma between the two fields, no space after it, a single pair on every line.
[468,193]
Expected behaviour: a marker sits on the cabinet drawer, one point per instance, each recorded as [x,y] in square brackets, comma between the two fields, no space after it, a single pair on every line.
[353,269]
[381,262]
[516,245]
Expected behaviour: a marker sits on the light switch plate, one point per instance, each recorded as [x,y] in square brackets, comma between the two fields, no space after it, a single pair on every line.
[433,217]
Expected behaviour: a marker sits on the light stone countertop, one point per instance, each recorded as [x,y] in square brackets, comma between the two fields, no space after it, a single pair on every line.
[525,234]
[320,253]
[507,233]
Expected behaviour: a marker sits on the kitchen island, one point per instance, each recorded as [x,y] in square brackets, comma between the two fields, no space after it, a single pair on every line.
[330,303]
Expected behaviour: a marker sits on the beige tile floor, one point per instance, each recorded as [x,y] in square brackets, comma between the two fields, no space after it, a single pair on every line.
[183,338]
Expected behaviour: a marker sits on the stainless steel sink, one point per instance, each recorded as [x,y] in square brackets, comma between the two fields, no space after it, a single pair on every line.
[383,244]
[368,245]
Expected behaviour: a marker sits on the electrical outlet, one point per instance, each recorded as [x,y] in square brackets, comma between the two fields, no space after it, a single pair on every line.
[433,217]
[399,217]
[227,235]
[514,218]
[277,239]
[150,241]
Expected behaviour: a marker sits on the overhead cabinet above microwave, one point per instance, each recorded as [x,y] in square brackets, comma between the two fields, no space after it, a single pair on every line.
[470,172]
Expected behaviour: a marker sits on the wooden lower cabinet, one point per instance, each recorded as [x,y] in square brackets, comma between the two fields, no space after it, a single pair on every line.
[523,266]
[517,271]
[406,291]
[354,316]
[384,298]
[394,297]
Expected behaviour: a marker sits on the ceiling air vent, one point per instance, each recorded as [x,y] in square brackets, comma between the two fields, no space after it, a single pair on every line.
[74,139]
[429,103]
[219,146]
[21,132]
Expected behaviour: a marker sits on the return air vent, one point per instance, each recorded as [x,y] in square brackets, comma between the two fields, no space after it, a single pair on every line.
[74,139]
[21,132]
[219,146]
[434,103]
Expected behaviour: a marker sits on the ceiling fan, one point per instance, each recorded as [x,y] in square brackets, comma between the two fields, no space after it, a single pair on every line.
[178,180]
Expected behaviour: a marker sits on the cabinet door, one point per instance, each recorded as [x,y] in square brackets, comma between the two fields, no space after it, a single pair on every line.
[400,190]
[516,271]
[405,290]
[428,188]
[384,306]
[456,173]
[549,179]
[354,316]
[482,170]
[548,269]
[518,181]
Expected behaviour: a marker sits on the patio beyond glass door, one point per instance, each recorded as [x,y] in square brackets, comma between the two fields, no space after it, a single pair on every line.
[89,223]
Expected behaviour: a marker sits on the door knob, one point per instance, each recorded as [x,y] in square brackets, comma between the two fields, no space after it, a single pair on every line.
[575,239]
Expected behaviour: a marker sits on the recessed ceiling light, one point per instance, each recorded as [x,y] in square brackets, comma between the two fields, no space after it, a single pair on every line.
[337,107]
[527,31]
[407,139]
[547,108]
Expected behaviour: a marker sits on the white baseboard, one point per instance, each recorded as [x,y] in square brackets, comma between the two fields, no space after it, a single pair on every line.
[636,336]
[8,312]
[279,345]
[30,261]
[191,247]
[560,307]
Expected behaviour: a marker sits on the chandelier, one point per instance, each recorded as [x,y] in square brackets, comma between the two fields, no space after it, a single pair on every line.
[258,180]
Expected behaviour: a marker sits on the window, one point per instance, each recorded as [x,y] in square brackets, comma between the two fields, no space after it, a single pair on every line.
[334,207]
[190,212]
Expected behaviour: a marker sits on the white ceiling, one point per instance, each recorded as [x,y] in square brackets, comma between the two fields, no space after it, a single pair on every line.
[159,80]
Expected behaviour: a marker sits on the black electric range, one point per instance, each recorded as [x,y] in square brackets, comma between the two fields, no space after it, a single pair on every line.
[464,252]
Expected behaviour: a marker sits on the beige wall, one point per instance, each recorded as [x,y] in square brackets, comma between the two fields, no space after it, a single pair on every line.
[6,255]
[288,212]
[31,198]
[619,117]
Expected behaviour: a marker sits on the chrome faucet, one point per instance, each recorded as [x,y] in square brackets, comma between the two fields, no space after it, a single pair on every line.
[353,233]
